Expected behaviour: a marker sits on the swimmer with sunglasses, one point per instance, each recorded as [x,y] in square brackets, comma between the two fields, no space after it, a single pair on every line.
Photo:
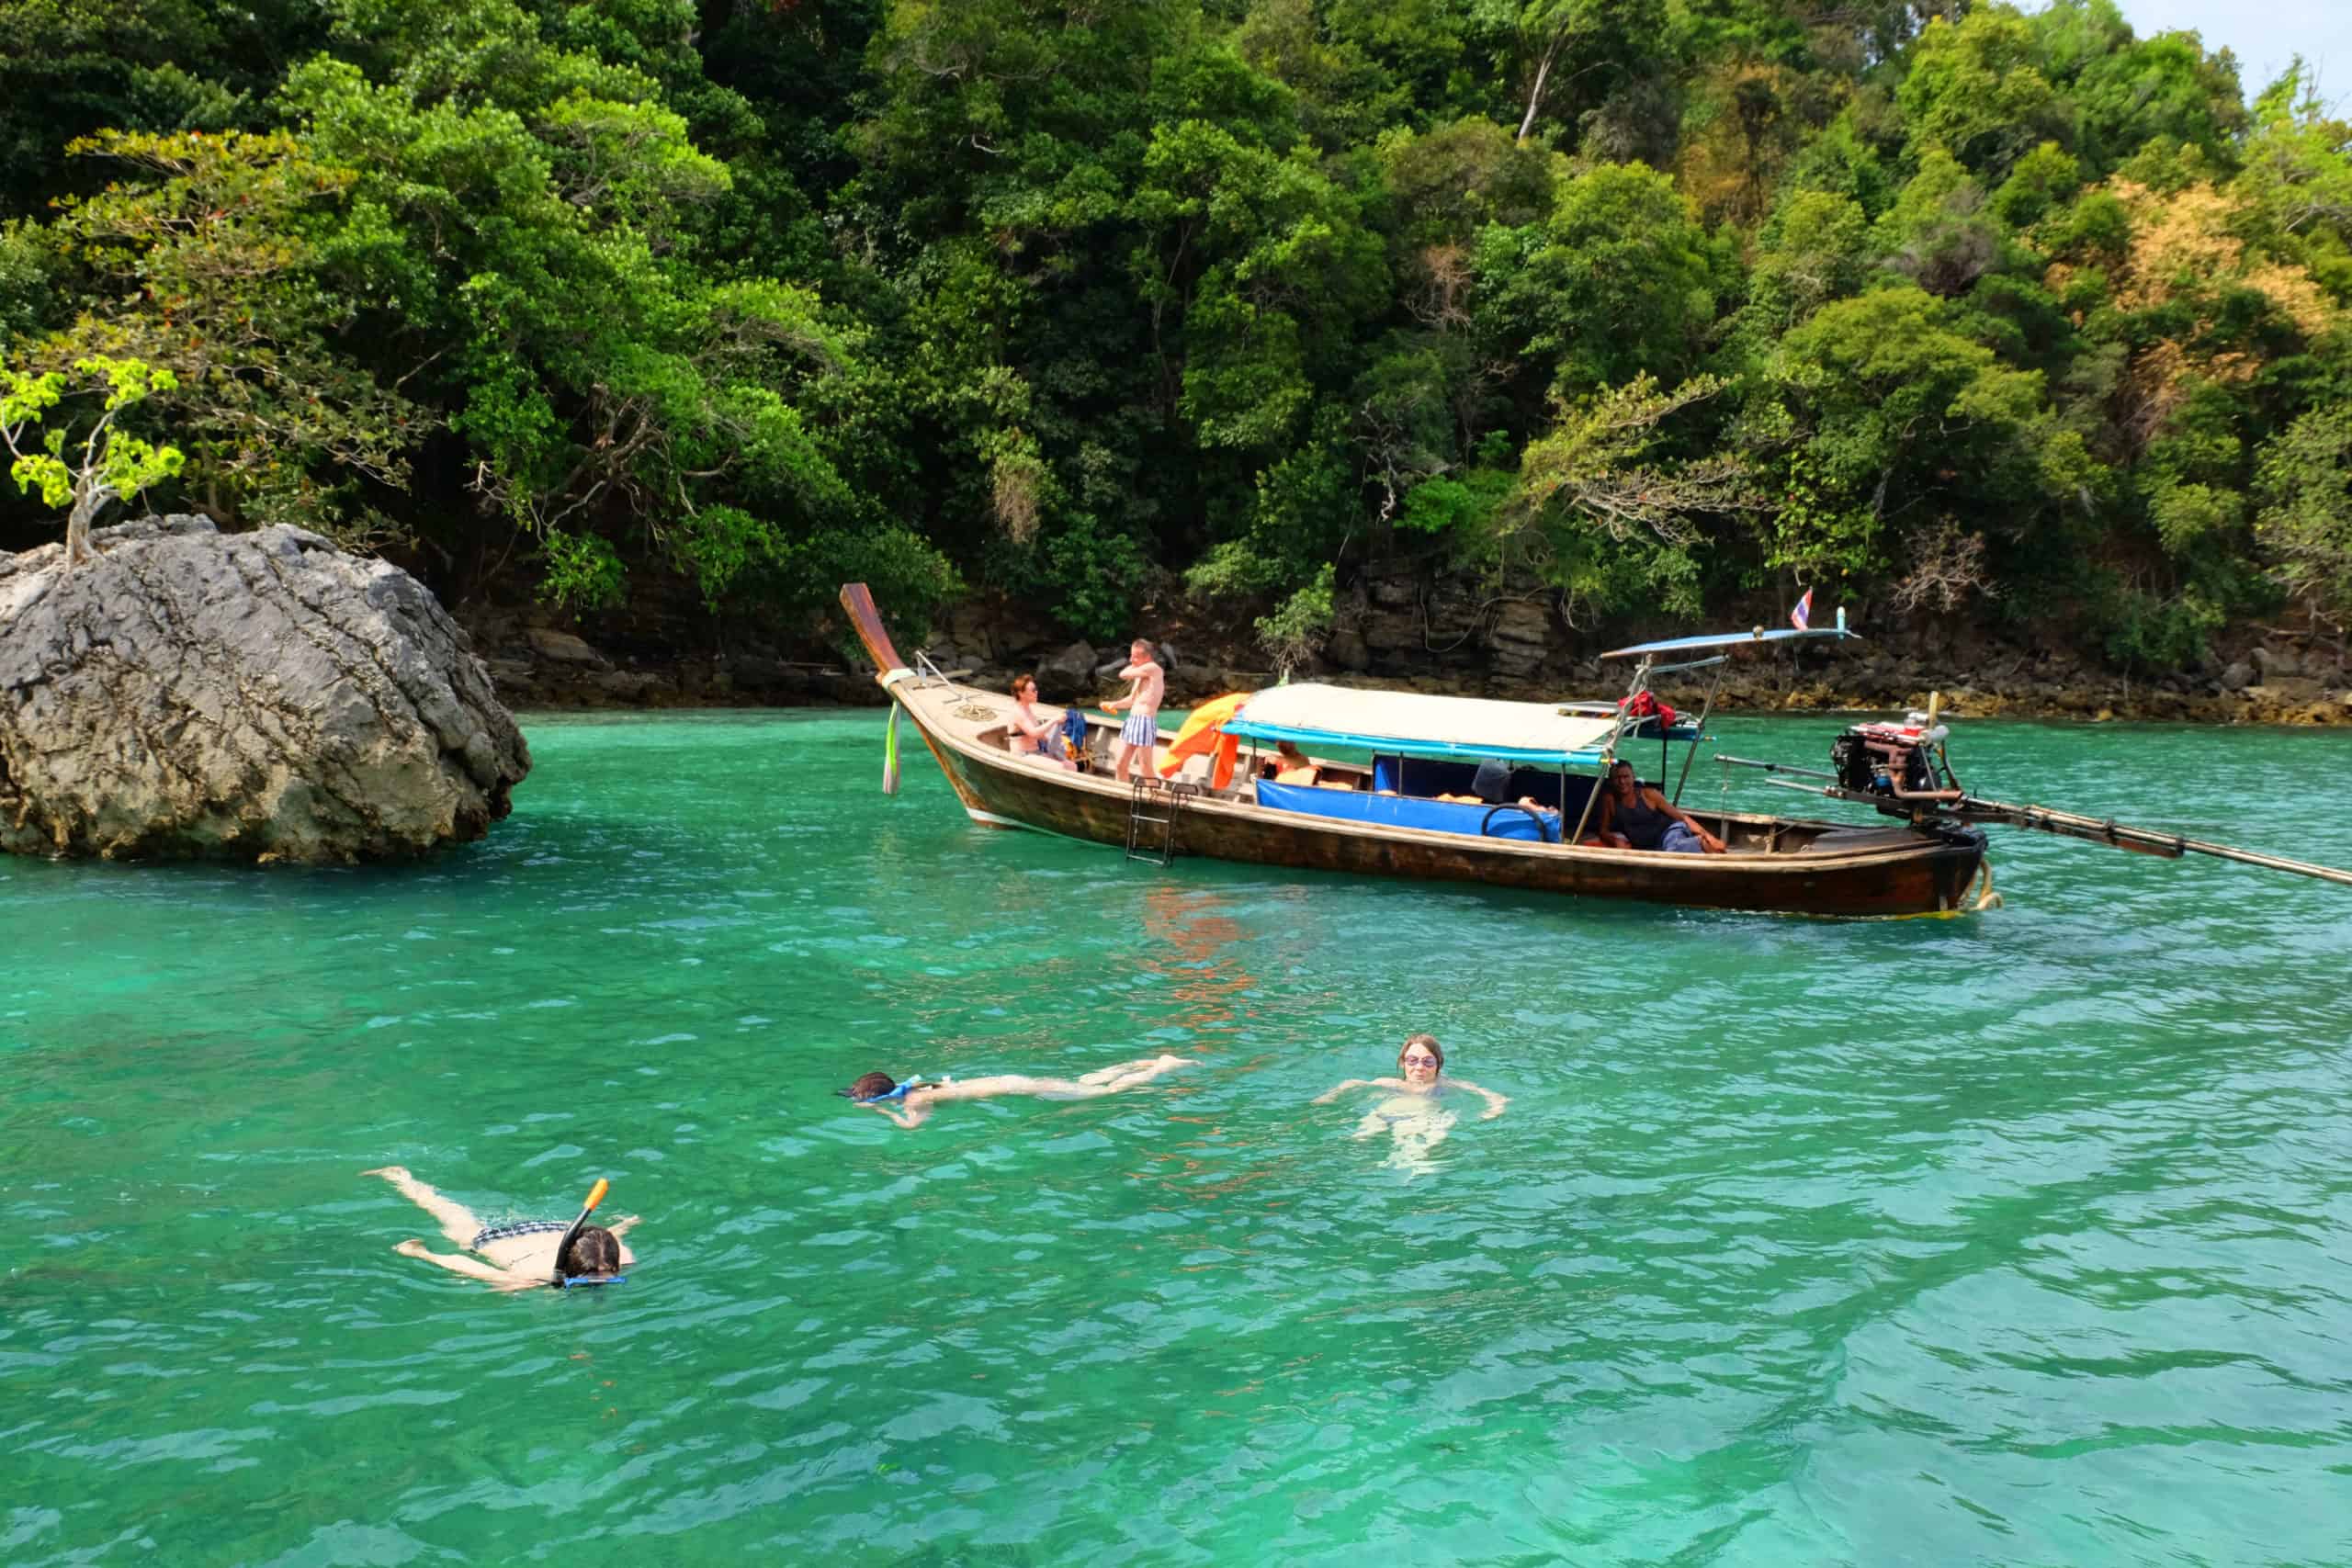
[1412,1114]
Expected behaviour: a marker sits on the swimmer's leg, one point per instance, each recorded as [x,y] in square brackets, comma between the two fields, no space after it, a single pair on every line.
[1129,1074]
[458,1221]
[1372,1126]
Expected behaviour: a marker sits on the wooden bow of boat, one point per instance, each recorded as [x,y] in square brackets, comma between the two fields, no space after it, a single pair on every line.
[1779,863]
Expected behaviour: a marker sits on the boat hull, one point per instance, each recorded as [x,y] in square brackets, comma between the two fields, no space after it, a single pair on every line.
[1892,871]
[1931,876]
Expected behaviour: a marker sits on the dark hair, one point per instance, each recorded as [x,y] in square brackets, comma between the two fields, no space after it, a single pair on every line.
[1021,680]
[1430,1041]
[871,1085]
[595,1250]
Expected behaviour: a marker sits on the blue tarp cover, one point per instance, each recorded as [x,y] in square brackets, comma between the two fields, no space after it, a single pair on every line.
[1398,811]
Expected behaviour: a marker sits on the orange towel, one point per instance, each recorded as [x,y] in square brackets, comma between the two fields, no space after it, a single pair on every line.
[1201,734]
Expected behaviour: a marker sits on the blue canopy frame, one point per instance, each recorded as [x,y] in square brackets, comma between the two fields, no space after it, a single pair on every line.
[1733,639]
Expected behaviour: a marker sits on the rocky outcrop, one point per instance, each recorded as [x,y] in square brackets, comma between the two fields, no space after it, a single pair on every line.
[260,697]
[1068,674]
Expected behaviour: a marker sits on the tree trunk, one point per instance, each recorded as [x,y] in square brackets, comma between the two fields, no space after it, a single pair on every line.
[1535,94]
[92,499]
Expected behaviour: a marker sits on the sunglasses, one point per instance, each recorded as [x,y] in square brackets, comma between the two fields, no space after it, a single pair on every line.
[1419,1061]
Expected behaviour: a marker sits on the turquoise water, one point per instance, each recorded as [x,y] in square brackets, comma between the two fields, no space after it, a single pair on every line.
[2018,1238]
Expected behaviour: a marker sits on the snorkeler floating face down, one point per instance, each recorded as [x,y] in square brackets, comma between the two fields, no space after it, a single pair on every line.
[520,1254]
[909,1103]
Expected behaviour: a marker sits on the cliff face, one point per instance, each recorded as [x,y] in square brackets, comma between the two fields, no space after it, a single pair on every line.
[263,696]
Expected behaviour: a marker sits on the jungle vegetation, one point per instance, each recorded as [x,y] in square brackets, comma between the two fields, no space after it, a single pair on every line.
[1658,306]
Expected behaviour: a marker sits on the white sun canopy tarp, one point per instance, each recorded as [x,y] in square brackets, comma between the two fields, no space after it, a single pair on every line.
[1411,724]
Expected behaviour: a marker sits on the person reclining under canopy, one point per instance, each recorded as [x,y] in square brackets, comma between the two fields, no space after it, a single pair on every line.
[1634,817]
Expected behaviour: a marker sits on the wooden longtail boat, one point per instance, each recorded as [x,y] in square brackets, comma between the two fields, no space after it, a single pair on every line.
[1774,863]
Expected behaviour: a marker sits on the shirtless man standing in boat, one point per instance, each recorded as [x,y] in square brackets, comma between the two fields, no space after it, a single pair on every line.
[1142,702]
[876,1092]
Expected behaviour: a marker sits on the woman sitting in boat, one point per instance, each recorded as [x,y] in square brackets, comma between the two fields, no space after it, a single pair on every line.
[1634,817]
[1414,1115]
[914,1099]
[1029,735]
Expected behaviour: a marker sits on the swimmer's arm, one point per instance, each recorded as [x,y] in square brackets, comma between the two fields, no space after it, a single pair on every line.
[471,1268]
[622,1229]
[1495,1102]
[910,1120]
[1328,1095]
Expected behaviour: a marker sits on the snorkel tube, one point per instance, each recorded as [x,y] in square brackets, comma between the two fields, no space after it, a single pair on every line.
[562,1281]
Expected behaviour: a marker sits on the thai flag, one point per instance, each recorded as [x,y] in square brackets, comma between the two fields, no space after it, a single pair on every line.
[1802,614]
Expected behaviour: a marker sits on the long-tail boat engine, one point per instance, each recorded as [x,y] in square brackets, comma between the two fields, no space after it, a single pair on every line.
[1893,762]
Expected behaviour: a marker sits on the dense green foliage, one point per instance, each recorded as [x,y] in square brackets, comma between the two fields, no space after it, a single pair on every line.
[1658,304]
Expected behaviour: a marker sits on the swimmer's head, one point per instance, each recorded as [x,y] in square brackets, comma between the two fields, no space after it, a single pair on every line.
[593,1253]
[873,1085]
[1421,1053]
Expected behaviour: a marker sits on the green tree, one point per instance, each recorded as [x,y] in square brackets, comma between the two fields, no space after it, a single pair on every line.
[1974,89]
[1603,514]
[1619,281]
[2305,487]
[205,263]
[108,463]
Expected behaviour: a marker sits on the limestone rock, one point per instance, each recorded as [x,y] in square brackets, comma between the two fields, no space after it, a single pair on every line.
[1520,638]
[1067,674]
[2277,663]
[1347,650]
[260,697]
[565,648]
[2237,677]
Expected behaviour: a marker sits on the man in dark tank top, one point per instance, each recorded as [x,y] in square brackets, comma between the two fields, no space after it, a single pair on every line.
[1635,818]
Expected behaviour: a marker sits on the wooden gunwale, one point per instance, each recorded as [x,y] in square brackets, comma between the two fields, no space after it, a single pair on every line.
[1914,876]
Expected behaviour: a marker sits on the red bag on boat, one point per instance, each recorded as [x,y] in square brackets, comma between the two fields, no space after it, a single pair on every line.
[1644,704]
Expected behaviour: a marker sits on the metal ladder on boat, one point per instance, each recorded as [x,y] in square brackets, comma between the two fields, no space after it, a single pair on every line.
[1152,810]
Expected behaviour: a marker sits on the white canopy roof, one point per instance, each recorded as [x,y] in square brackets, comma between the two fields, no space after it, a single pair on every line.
[1418,725]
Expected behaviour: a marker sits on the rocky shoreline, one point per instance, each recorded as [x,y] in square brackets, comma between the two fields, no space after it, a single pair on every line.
[548,667]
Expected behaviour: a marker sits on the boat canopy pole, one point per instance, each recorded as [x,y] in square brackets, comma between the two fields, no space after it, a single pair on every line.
[1609,754]
[1704,709]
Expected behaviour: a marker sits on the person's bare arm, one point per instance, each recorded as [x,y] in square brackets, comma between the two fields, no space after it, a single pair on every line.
[1495,1102]
[623,1228]
[910,1120]
[471,1268]
[1687,820]
[1328,1095]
